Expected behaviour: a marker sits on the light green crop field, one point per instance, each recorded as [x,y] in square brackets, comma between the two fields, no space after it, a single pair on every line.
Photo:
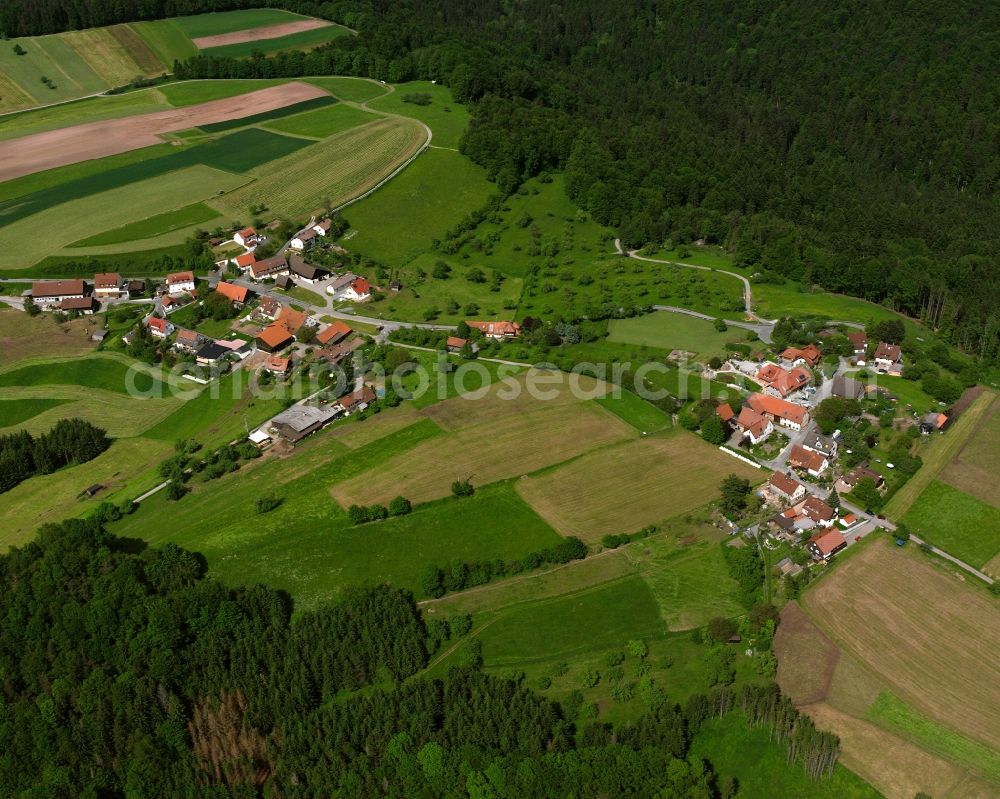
[398,222]
[446,118]
[670,331]
[77,219]
[961,525]
[156,225]
[193,92]
[329,172]
[322,122]
[166,38]
[91,109]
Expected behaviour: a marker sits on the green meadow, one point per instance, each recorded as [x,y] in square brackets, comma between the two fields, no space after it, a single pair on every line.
[322,122]
[446,118]
[110,374]
[156,225]
[961,525]
[669,331]
[639,413]
[16,411]
[218,22]
[304,40]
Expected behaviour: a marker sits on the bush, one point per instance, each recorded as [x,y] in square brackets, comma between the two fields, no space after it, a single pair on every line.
[462,488]
[400,506]
[176,490]
[267,503]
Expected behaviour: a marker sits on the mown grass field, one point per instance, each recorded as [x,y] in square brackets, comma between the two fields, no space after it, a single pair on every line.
[277,113]
[322,122]
[622,488]
[329,172]
[975,468]
[643,416]
[446,118]
[166,39]
[217,22]
[772,301]
[672,331]
[399,221]
[156,225]
[961,525]
[101,372]
[14,412]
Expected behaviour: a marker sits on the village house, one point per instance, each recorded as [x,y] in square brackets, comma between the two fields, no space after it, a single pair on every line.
[809,354]
[244,261]
[180,283]
[781,382]
[824,545]
[851,478]
[725,412]
[159,328]
[817,442]
[236,294]
[356,400]
[859,345]
[322,228]
[786,414]
[303,240]
[332,334]
[336,353]
[818,511]
[754,426]
[340,284]
[358,291]
[887,356]
[268,267]
[848,521]
[188,340]
[247,238]
[274,337]
[305,272]
[812,462]
[211,353]
[847,388]
[81,305]
[279,367]
[267,308]
[785,488]
[497,330]
[49,293]
[108,286]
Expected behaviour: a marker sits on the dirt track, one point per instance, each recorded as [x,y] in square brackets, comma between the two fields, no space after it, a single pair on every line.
[54,148]
[259,34]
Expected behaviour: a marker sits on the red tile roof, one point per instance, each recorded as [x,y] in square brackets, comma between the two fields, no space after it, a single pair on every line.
[247,233]
[275,335]
[724,411]
[858,340]
[497,329]
[276,364]
[180,277]
[455,341]
[828,542]
[107,280]
[778,408]
[361,286]
[56,288]
[803,458]
[787,485]
[246,259]
[888,352]
[156,323]
[784,381]
[232,291]
[817,510]
[333,332]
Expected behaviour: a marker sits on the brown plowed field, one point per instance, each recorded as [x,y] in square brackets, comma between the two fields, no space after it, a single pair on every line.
[40,151]
[259,34]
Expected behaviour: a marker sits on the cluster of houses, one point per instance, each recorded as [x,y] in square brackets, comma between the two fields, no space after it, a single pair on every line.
[76,295]
[806,517]
[757,417]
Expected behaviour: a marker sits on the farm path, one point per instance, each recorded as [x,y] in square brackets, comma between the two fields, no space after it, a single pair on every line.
[960,563]
[491,360]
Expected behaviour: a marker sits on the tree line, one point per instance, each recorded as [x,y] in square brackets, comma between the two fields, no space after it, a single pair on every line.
[70,441]
[125,671]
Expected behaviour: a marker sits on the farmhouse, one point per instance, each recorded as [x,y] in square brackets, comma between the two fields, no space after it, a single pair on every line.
[180,283]
[822,546]
[358,291]
[188,340]
[782,382]
[245,260]
[274,337]
[851,478]
[847,388]
[84,305]
[299,421]
[50,292]
[785,487]
[887,357]
[808,354]
[269,267]
[332,333]
[859,344]
[235,294]
[754,426]
[812,462]
[247,238]
[356,400]
[108,286]
[818,511]
[817,442]
[497,330]
[159,328]
[455,343]
[786,414]
[305,271]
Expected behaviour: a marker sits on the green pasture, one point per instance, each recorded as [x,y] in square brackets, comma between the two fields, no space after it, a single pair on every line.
[217,22]
[303,40]
[276,113]
[96,371]
[706,255]
[51,57]
[350,89]
[156,225]
[322,122]
[908,392]
[643,416]
[667,330]
[961,525]
[446,118]
[772,301]
[193,92]
[399,221]
[14,412]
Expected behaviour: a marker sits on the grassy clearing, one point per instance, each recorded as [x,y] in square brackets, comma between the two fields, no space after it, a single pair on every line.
[446,118]
[938,453]
[157,225]
[193,92]
[166,38]
[707,255]
[53,497]
[938,654]
[400,220]
[230,21]
[643,416]
[485,453]
[959,524]
[109,374]
[323,122]
[14,412]
[623,488]
[760,767]
[891,712]
[353,90]
[303,40]
[329,172]
[276,113]
[671,331]
[105,211]
[909,393]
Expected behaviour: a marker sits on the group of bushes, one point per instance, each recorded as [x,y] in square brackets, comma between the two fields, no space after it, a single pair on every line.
[182,465]
[361,514]
[460,575]
[613,541]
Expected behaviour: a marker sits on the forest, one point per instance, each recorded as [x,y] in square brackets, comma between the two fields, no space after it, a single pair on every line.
[851,147]
[23,455]
[126,671]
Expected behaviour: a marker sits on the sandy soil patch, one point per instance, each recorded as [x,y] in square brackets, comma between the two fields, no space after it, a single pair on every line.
[40,151]
[259,34]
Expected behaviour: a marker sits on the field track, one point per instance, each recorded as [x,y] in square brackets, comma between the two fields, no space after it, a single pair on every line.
[41,151]
[259,34]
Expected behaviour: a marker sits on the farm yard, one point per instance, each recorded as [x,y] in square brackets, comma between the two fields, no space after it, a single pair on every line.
[908,686]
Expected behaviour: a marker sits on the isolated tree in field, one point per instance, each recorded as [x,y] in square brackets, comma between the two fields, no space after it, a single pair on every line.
[176,490]
[713,430]
[890,331]
[637,648]
[735,491]
[720,325]
[441,270]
